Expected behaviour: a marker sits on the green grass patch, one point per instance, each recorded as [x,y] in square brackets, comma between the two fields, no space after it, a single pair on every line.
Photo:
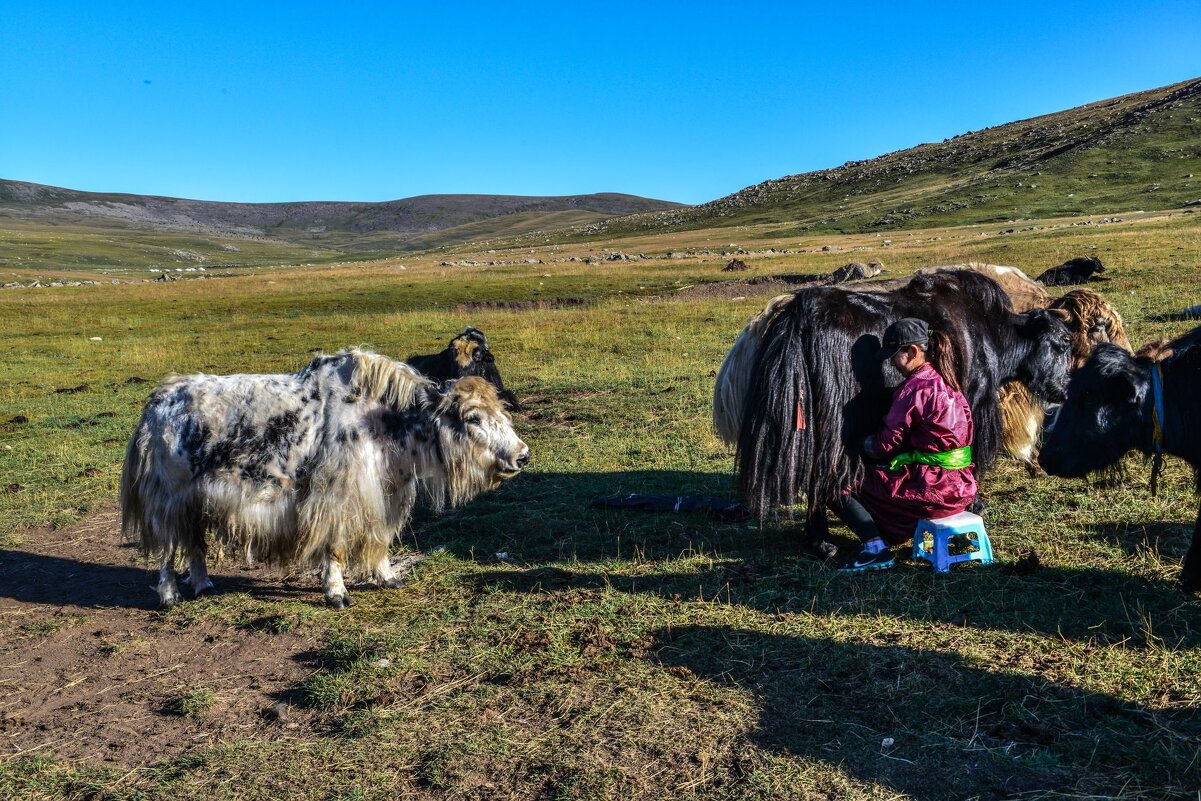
[628,655]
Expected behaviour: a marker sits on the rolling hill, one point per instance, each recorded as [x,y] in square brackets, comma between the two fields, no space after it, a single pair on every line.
[1138,151]
[54,227]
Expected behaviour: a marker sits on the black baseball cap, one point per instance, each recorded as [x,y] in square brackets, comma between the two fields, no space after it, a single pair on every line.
[906,331]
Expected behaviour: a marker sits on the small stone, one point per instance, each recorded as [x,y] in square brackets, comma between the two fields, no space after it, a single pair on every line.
[96,339]
[382,663]
[278,712]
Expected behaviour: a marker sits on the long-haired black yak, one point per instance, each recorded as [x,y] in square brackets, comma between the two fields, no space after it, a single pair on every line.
[816,390]
[1119,403]
[466,354]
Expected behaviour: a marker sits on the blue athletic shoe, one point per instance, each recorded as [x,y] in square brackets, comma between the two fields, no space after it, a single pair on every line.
[869,561]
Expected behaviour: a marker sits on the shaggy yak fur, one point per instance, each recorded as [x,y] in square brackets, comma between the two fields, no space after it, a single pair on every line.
[319,467]
[816,390]
[730,389]
[1109,413]
[466,354]
[1073,271]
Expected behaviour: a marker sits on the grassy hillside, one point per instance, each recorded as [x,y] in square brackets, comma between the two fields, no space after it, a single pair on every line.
[608,655]
[1139,151]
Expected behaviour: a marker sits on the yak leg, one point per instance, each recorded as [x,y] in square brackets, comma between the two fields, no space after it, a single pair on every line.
[168,590]
[1190,576]
[817,534]
[198,572]
[1032,466]
[334,587]
[385,575]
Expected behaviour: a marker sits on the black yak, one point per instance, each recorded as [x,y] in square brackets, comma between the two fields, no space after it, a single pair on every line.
[466,354]
[730,389]
[816,391]
[1119,403]
[320,467]
[1073,271]
[1091,319]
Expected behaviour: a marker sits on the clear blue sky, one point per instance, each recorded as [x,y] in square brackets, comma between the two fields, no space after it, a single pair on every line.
[683,101]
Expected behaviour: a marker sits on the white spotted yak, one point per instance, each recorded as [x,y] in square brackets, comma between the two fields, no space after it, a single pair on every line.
[320,467]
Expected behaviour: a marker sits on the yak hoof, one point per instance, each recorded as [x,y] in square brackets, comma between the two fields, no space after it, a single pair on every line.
[339,601]
[207,589]
[168,596]
[1190,581]
[394,583]
[821,549]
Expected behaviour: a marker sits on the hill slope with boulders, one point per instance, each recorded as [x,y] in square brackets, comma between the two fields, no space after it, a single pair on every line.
[1136,152]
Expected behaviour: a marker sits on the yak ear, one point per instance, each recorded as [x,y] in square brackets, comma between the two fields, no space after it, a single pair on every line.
[1027,323]
[1062,314]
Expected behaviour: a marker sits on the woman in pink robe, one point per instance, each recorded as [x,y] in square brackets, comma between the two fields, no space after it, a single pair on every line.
[920,459]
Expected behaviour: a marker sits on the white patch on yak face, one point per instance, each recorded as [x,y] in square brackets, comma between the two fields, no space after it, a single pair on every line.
[489,428]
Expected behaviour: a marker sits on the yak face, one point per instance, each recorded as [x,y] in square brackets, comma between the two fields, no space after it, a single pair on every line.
[1102,418]
[1047,366]
[1093,321]
[478,441]
[470,349]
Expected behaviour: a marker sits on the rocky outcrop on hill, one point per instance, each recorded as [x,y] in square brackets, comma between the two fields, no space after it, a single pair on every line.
[961,172]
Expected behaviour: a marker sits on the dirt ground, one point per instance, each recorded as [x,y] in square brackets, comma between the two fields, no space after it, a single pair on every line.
[91,672]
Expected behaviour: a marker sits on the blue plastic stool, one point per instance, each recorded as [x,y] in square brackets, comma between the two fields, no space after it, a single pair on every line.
[941,529]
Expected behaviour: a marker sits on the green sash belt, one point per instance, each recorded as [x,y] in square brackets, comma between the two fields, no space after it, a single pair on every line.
[956,459]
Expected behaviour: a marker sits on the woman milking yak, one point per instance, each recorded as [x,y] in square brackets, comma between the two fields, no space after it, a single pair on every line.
[919,462]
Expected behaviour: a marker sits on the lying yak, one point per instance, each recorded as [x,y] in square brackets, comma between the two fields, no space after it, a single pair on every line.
[1079,270]
[319,467]
[466,354]
[816,391]
[1119,403]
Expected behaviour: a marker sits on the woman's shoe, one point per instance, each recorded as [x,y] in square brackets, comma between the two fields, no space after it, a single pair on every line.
[866,561]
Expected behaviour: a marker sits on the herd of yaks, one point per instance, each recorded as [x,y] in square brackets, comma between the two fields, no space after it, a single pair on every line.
[323,466]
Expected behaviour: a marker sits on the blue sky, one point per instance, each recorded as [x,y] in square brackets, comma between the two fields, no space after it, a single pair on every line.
[689,101]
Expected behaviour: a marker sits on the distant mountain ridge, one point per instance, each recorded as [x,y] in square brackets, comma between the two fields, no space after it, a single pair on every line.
[1138,151]
[30,202]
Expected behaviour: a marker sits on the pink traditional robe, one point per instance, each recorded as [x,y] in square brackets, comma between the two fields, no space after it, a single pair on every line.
[926,415]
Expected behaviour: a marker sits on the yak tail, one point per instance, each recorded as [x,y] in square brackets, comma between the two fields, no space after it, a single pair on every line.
[133,514]
[776,441]
[732,385]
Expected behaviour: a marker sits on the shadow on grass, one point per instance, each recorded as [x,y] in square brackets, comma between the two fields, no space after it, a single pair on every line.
[1169,540]
[59,581]
[540,517]
[959,731]
[1082,604]
[1193,313]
